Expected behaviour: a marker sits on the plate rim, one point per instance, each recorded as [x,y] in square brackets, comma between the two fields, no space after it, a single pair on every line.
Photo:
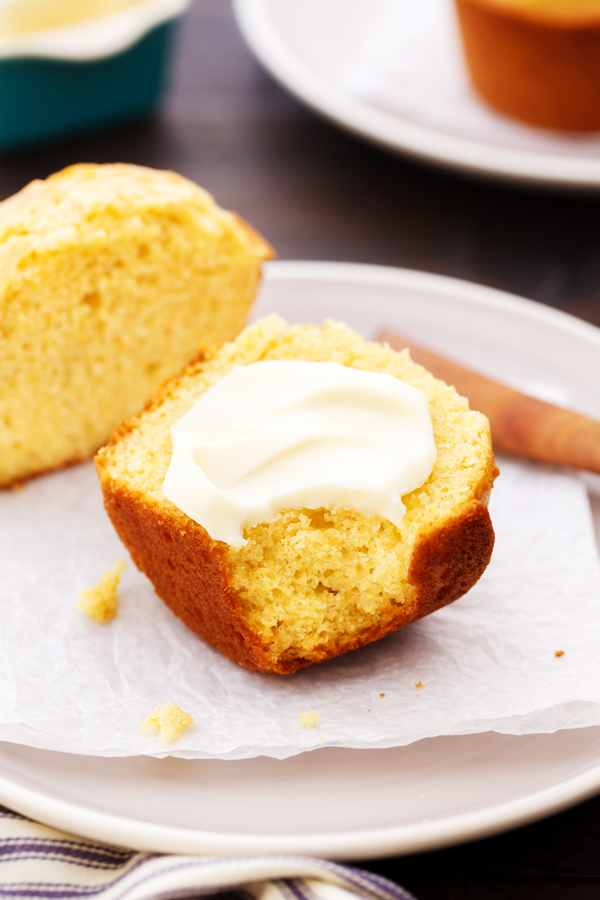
[374,843]
[369,843]
[399,134]
[420,279]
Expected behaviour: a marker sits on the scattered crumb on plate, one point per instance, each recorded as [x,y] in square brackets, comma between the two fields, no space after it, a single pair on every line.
[418,685]
[421,796]
[100,602]
[309,719]
[382,695]
[559,652]
[169,720]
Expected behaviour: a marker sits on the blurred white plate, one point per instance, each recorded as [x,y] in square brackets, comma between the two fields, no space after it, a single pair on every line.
[350,803]
[308,44]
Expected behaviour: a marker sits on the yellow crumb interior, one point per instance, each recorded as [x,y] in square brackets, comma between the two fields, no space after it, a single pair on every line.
[110,279]
[101,602]
[557,11]
[314,577]
[169,720]
[309,719]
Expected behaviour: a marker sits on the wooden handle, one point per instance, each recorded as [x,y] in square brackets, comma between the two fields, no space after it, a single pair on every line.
[520,424]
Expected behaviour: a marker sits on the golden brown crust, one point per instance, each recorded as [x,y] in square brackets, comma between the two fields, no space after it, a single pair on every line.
[543,71]
[447,563]
[189,573]
[187,570]
[261,247]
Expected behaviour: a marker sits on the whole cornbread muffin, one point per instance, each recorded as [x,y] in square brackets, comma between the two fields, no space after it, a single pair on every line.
[312,583]
[110,278]
[536,60]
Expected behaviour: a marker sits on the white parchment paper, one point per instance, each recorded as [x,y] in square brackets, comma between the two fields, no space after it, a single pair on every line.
[411,63]
[487,662]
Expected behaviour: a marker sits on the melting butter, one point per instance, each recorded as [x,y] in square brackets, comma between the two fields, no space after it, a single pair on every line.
[278,435]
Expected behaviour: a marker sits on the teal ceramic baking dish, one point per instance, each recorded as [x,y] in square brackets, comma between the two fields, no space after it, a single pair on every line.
[64,87]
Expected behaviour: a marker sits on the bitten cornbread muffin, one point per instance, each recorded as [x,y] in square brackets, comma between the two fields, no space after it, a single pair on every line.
[110,278]
[536,60]
[313,583]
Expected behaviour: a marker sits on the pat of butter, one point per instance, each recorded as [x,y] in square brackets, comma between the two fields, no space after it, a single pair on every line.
[23,16]
[279,435]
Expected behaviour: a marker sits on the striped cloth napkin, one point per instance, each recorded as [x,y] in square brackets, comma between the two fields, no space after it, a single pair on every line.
[40,863]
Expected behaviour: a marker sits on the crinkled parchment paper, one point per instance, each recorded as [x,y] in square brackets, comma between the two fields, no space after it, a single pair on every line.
[411,63]
[487,662]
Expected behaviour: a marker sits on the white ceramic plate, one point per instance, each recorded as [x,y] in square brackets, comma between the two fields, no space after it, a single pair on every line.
[336,803]
[306,43]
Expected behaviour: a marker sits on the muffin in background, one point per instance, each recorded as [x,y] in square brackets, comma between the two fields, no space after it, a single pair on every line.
[536,60]
[111,277]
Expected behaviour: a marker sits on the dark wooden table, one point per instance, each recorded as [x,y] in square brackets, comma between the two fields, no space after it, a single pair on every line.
[318,193]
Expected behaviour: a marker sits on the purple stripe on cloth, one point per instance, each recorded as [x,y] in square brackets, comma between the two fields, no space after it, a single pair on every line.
[178,867]
[351,878]
[124,879]
[53,891]
[192,864]
[354,879]
[293,889]
[48,890]
[9,814]
[52,858]
[367,881]
[71,851]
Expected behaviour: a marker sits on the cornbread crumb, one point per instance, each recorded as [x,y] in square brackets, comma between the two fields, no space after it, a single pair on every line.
[309,719]
[421,796]
[169,720]
[382,695]
[418,685]
[100,602]
[559,653]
